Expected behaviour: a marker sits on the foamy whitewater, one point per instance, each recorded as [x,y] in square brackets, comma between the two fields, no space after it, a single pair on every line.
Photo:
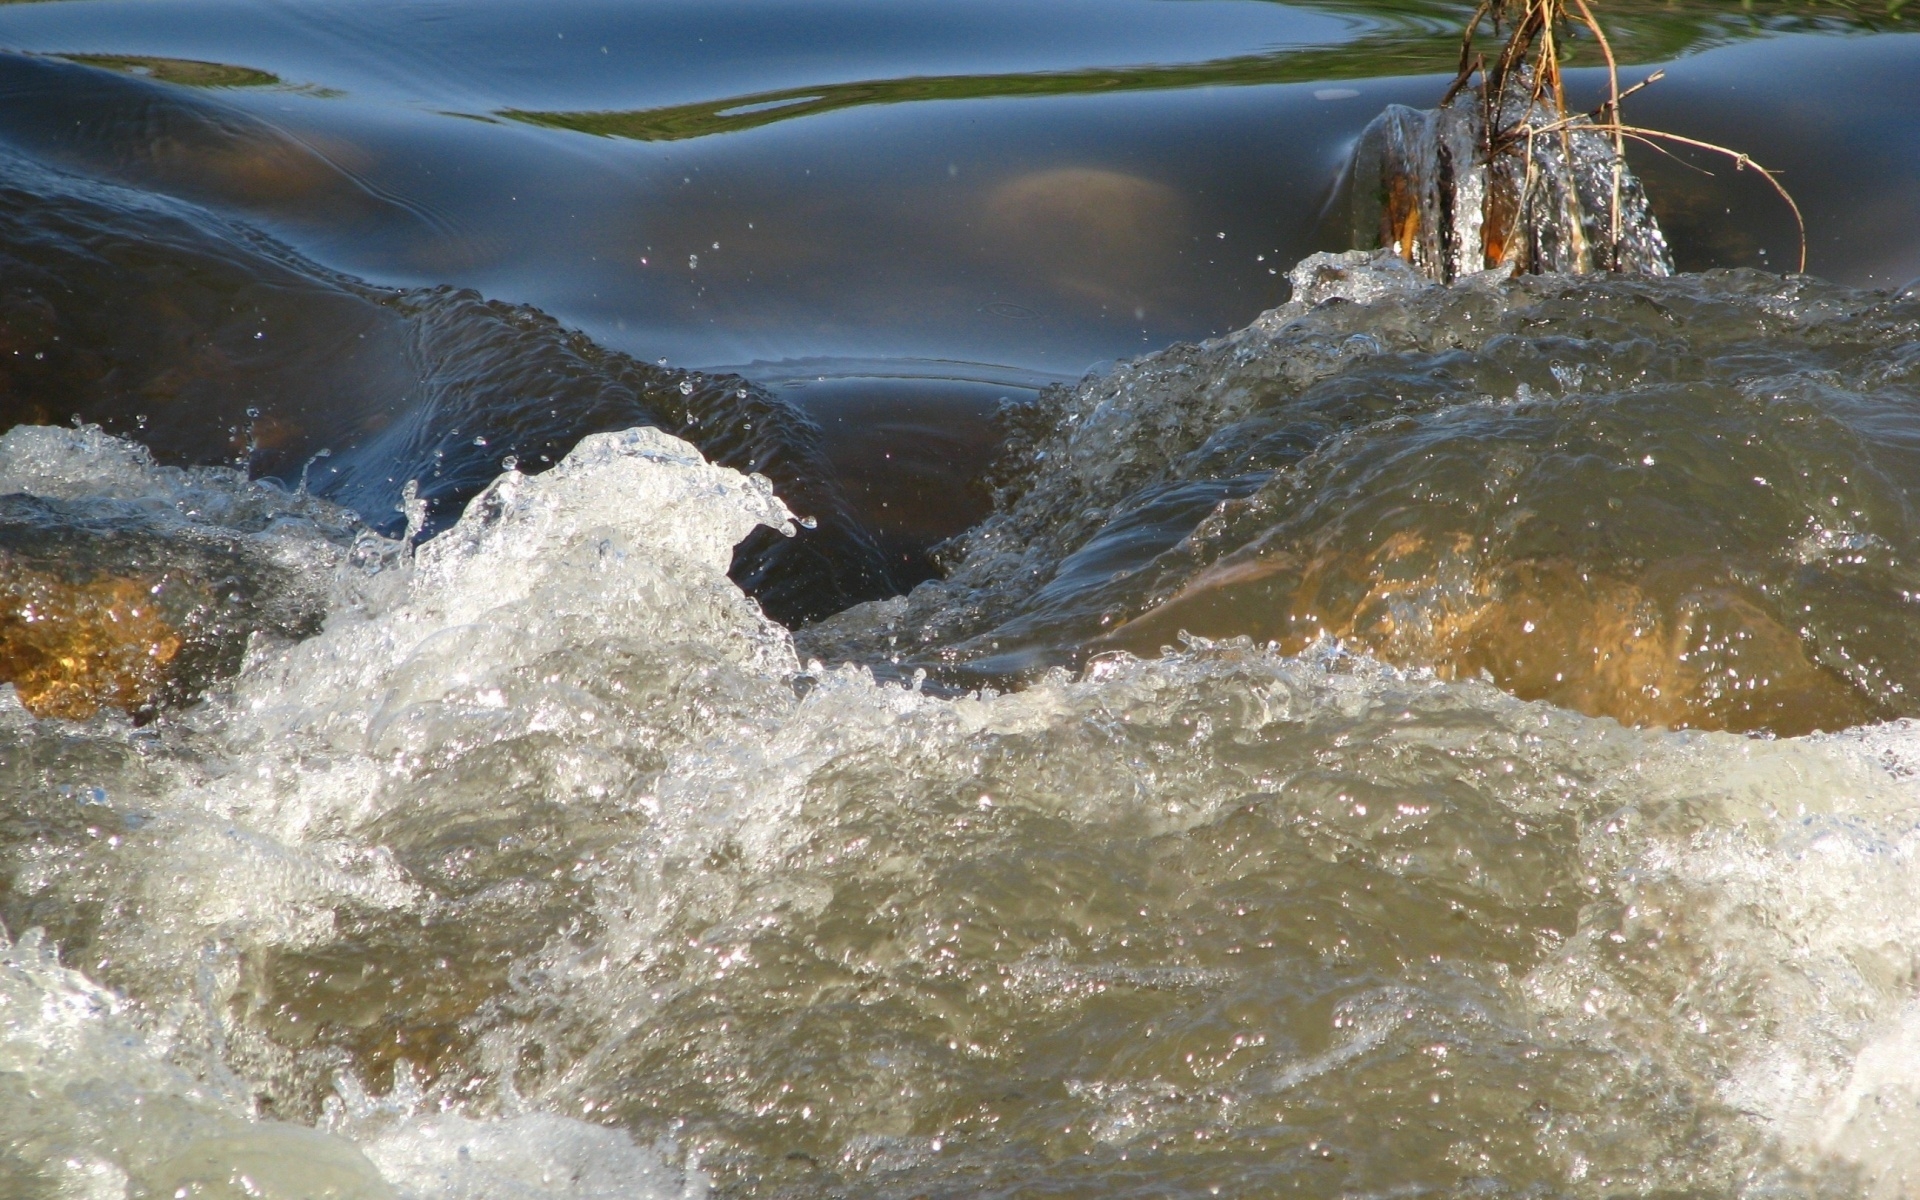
[546,868]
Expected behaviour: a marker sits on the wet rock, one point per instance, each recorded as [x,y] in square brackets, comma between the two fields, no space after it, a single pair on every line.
[1683,644]
[1673,502]
[1462,188]
[70,648]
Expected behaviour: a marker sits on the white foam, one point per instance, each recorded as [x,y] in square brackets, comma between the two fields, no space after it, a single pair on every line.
[580,624]
[107,1117]
[622,547]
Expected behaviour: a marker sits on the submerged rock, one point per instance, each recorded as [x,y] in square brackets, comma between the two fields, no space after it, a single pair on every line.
[70,647]
[128,585]
[1673,502]
[1462,188]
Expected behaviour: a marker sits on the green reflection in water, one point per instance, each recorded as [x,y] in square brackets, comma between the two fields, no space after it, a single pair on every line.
[186,72]
[1410,37]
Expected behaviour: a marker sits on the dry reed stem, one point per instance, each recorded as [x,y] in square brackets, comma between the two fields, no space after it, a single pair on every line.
[1741,161]
[1532,36]
[1612,110]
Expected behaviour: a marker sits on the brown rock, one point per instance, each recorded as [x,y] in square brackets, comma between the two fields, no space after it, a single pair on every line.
[71,647]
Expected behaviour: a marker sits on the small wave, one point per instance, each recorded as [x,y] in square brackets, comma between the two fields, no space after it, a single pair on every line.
[1676,502]
[547,861]
[214,345]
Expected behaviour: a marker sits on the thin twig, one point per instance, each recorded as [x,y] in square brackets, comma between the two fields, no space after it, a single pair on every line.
[1599,114]
[1532,36]
[1466,53]
[1657,147]
[1740,162]
[1613,114]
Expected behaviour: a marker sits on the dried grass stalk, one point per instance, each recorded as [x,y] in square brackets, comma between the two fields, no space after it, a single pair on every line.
[1511,179]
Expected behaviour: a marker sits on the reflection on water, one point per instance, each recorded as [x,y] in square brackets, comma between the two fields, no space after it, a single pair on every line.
[177,142]
[184,71]
[1412,54]
[847,158]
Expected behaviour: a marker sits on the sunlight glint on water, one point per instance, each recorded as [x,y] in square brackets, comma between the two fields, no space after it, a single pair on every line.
[548,836]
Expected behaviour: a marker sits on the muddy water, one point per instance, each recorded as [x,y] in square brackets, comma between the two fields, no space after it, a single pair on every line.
[590,639]
[1672,502]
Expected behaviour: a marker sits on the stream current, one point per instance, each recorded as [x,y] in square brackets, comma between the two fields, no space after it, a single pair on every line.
[1411,740]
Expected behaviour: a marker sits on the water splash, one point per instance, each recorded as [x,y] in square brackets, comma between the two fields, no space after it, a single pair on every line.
[1643,498]
[1555,197]
[547,869]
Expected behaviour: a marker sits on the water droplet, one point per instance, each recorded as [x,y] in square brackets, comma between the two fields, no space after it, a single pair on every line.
[686,387]
[414,508]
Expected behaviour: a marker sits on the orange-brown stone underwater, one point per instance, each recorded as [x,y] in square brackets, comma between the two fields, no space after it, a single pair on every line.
[71,647]
[1682,644]
[1616,495]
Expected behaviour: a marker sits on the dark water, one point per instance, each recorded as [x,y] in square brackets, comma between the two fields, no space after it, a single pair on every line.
[1416,741]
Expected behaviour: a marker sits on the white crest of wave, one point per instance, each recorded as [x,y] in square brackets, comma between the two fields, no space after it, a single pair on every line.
[627,541]
[582,619]
[91,1109]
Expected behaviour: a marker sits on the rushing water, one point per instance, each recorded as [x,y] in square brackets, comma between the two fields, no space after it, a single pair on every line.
[474,732]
